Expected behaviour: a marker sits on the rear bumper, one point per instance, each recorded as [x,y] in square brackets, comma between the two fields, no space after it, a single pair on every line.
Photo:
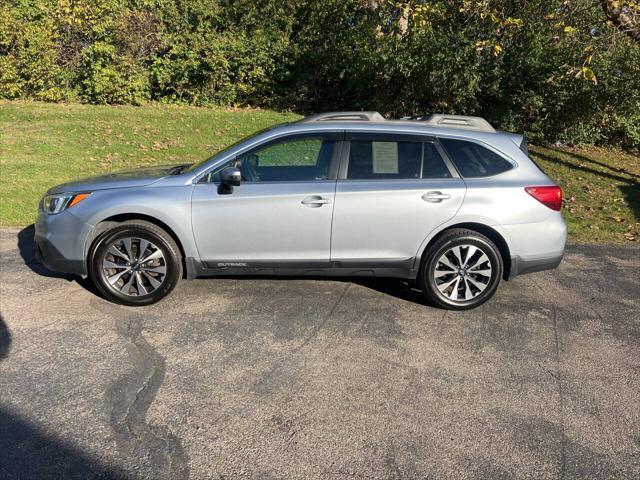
[520,265]
[536,246]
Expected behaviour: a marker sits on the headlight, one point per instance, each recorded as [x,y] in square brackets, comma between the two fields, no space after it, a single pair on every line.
[52,204]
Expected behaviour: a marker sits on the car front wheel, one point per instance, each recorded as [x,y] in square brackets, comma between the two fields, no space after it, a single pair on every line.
[461,270]
[135,263]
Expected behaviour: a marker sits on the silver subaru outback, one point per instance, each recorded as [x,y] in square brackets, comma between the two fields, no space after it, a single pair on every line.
[445,202]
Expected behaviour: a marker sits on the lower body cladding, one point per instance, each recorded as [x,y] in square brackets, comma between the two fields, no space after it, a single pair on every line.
[49,255]
[404,269]
[520,266]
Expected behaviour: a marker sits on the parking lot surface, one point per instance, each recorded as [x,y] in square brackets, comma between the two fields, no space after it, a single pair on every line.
[299,378]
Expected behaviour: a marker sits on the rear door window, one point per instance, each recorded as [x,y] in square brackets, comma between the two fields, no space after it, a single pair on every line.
[473,160]
[388,159]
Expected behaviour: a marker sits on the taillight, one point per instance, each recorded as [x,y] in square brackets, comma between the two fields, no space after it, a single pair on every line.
[550,196]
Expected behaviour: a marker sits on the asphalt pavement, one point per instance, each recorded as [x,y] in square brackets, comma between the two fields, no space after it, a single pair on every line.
[304,378]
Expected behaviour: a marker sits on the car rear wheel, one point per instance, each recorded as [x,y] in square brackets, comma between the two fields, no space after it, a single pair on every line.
[135,263]
[461,270]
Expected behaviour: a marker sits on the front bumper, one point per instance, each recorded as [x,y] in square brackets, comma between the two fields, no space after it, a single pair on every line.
[60,242]
[49,256]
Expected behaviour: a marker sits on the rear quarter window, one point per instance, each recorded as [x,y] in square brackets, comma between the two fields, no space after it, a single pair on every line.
[473,160]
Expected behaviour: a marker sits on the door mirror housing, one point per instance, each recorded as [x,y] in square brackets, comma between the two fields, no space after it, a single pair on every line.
[229,177]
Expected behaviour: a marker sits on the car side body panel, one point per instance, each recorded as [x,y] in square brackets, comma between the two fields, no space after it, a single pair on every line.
[383,220]
[264,221]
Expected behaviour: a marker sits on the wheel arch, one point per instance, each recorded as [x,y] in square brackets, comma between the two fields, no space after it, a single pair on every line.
[102,227]
[489,232]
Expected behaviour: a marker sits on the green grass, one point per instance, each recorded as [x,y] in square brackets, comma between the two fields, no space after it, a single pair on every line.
[601,191]
[42,145]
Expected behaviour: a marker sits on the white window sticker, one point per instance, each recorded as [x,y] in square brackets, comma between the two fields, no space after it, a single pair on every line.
[385,157]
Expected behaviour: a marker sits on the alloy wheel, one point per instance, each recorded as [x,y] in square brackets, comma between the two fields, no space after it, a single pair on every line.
[134,266]
[462,273]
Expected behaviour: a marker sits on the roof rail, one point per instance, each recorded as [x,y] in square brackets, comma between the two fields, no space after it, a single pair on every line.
[458,121]
[435,120]
[344,116]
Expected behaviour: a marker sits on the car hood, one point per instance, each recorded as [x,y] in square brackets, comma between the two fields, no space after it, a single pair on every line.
[130,178]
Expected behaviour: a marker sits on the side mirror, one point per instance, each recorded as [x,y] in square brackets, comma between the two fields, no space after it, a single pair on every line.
[229,177]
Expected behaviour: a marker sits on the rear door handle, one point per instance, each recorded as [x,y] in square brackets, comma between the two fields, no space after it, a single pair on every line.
[314,201]
[435,197]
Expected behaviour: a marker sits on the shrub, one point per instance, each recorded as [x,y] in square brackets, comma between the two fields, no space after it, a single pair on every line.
[104,76]
[516,62]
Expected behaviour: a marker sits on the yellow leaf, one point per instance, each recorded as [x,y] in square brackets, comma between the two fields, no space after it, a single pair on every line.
[589,75]
[513,21]
[569,29]
[497,50]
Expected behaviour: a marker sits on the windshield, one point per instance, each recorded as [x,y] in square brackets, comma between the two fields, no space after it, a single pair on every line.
[235,144]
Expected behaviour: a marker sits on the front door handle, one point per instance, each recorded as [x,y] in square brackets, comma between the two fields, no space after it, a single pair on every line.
[435,197]
[314,201]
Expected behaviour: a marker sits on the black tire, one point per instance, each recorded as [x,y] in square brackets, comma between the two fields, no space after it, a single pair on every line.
[463,238]
[138,296]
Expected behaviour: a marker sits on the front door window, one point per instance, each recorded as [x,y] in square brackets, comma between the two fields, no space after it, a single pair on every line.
[296,160]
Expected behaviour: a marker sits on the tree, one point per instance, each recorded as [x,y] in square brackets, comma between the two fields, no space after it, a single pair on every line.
[624,15]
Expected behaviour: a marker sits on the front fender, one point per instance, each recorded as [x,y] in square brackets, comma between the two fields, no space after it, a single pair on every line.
[170,205]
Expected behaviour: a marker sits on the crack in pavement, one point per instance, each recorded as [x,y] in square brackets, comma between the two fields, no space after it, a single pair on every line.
[156,451]
[558,378]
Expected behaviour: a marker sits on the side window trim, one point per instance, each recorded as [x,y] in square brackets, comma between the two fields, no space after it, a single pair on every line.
[445,157]
[336,136]
[344,159]
[393,137]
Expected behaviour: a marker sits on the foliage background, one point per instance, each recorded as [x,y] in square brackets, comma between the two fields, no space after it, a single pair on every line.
[553,69]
